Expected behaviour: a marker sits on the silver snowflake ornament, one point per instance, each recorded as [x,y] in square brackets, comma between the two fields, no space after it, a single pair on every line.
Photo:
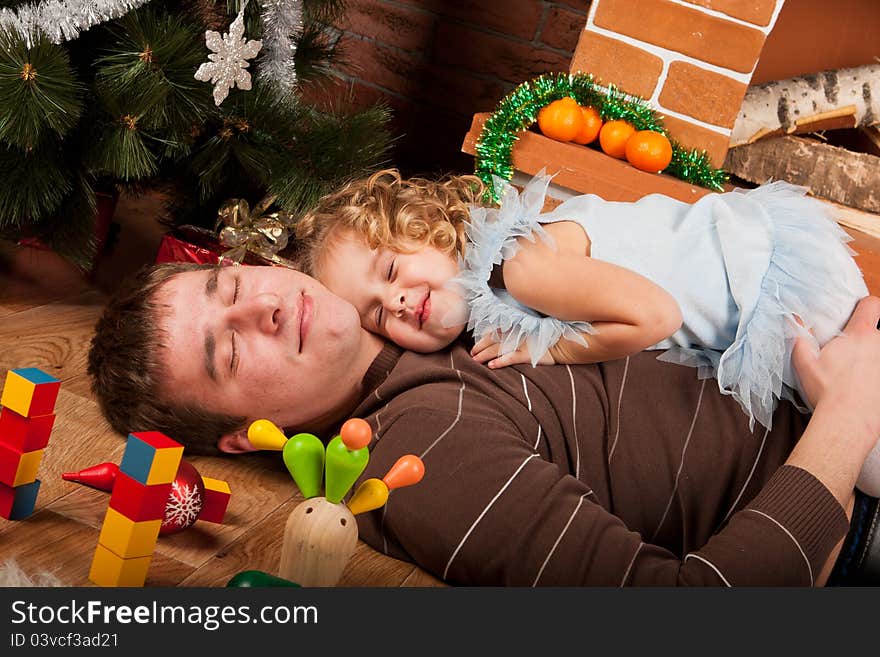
[183,506]
[228,60]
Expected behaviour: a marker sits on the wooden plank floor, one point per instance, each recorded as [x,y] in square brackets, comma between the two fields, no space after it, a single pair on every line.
[47,314]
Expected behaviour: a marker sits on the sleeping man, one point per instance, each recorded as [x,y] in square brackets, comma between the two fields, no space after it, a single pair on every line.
[632,472]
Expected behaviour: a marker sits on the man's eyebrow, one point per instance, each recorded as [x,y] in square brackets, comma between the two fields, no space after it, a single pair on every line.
[211,283]
[210,346]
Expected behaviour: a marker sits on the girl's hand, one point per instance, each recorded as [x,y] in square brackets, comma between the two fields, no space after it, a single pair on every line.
[487,350]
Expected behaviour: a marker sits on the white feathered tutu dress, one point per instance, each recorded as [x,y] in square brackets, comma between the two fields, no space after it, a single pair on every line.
[742,266]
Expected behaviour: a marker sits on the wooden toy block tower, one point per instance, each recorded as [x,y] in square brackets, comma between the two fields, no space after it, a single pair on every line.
[26,420]
[137,505]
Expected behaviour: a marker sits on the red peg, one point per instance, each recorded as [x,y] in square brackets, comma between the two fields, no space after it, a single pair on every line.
[408,470]
[101,476]
[356,433]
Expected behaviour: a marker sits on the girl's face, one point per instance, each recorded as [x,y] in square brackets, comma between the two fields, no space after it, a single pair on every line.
[401,296]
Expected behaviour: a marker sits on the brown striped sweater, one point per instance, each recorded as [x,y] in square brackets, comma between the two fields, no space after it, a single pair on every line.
[631,472]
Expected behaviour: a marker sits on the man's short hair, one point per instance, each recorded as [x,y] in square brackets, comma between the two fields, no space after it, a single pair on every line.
[127,374]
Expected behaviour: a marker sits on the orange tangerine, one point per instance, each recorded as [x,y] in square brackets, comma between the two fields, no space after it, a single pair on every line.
[613,137]
[592,125]
[649,151]
[561,119]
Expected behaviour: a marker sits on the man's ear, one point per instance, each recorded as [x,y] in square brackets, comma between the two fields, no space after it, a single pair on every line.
[235,443]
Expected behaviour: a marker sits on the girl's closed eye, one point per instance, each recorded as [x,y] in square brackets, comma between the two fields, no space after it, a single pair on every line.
[390,274]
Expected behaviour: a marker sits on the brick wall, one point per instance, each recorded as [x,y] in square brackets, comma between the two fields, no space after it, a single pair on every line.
[437,62]
[691,59]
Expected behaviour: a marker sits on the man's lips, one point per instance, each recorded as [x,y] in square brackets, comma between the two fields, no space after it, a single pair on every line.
[305,318]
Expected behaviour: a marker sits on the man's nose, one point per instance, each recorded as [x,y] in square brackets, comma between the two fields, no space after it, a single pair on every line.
[259,312]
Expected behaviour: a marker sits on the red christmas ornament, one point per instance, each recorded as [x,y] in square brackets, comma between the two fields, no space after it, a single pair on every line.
[185,501]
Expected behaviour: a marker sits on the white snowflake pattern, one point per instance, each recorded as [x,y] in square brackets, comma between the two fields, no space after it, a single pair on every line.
[228,60]
[184,505]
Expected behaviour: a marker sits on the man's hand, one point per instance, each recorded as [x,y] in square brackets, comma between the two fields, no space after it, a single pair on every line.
[487,350]
[846,371]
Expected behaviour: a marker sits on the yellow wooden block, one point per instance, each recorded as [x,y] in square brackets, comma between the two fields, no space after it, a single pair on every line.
[27,467]
[127,538]
[109,569]
[217,485]
[165,465]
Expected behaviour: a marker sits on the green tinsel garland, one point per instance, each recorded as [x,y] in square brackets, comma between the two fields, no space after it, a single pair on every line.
[518,111]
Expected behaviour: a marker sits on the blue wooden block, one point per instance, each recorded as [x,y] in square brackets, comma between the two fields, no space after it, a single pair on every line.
[17,503]
[151,458]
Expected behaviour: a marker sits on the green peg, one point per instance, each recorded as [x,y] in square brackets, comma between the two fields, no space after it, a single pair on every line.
[257,579]
[303,455]
[343,466]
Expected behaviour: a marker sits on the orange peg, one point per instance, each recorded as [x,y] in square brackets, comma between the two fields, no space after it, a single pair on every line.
[408,470]
[356,433]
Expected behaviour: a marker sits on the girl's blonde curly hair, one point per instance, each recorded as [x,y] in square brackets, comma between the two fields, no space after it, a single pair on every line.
[386,210]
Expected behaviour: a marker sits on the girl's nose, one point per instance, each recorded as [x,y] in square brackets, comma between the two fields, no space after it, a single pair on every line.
[259,312]
[396,302]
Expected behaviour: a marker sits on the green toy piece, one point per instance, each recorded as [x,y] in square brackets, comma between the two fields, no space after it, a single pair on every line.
[303,455]
[342,468]
[257,579]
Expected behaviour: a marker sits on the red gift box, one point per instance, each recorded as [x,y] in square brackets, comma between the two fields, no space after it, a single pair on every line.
[198,245]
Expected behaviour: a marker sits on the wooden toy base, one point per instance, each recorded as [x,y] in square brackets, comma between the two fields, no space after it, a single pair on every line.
[319,539]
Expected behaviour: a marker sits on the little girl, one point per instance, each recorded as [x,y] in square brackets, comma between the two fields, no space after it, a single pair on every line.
[725,284]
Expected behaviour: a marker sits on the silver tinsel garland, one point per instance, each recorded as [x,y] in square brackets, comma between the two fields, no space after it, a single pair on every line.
[281,19]
[62,20]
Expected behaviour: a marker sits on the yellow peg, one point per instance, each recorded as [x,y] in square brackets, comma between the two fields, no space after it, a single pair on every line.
[263,434]
[371,494]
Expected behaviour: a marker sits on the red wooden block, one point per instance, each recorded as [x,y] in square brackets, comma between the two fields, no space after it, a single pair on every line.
[17,503]
[138,502]
[17,467]
[217,496]
[25,433]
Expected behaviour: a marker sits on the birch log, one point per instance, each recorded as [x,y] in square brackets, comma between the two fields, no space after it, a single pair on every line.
[831,172]
[845,98]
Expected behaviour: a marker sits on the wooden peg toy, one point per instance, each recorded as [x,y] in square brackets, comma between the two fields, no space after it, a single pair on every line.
[263,434]
[319,539]
[257,579]
[370,495]
[304,457]
[342,467]
[373,493]
[356,433]
[406,471]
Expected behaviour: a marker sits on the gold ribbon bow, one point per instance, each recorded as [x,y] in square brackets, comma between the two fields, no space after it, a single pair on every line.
[253,229]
